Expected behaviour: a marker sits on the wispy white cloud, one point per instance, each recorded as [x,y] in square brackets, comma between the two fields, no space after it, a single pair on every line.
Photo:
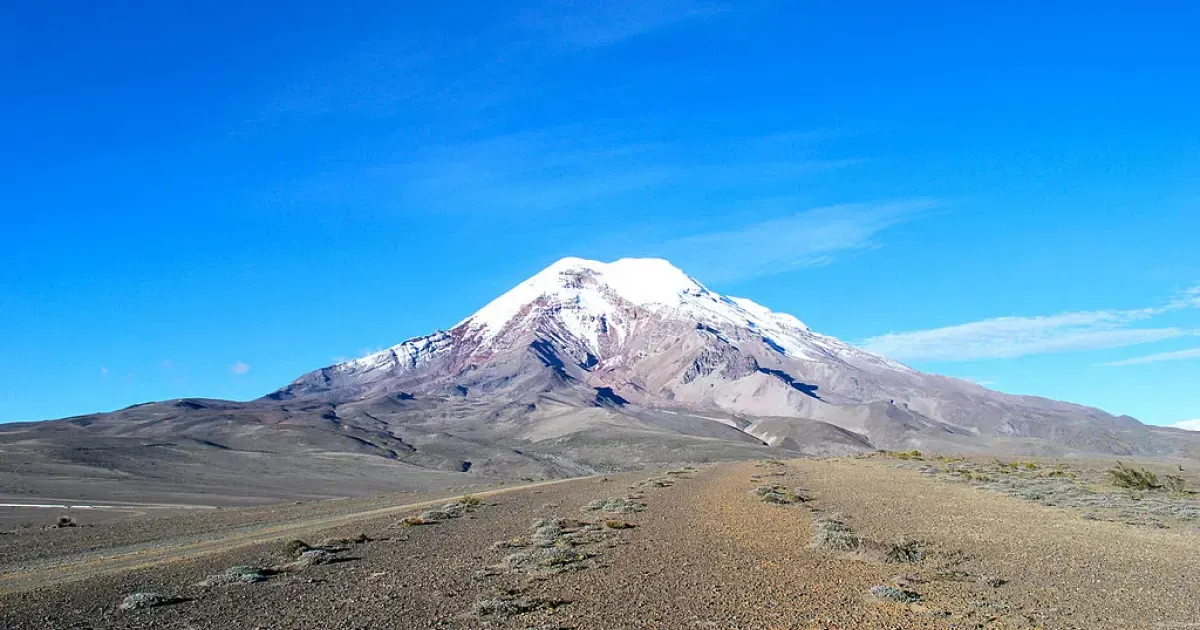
[1188,425]
[240,368]
[594,24]
[166,364]
[1178,355]
[1010,337]
[1189,298]
[103,372]
[445,66]
[577,167]
[810,238]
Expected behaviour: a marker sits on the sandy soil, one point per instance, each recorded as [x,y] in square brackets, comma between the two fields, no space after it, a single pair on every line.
[704,553]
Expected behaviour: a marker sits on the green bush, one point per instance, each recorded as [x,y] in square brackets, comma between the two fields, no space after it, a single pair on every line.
[1124,476]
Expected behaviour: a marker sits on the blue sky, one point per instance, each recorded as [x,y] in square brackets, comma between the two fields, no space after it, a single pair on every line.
[210,201]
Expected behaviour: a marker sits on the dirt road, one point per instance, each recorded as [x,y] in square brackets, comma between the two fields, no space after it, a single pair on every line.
[695,550]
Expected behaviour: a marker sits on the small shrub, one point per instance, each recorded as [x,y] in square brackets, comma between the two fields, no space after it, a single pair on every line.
[139,601]
[893,594]
[293,548]
[903,550]
[778,495]
[1174,484]
[993,581]
[833,535]
[614,505]
[469,501]
[66,521]
[413,521]
[1124,476]
[542,560]
[913,454]
[312,557]
[434,515]
[615,524]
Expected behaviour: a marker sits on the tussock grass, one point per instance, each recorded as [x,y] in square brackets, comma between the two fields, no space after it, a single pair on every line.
[832,534]
[893,594]
[653,482]
[779,495]
[1175,484]
[140,601]
[1124,476]
[614,505]
[904,550]
[293,548]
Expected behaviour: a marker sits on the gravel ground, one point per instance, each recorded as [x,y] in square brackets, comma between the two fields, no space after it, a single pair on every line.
[705,552]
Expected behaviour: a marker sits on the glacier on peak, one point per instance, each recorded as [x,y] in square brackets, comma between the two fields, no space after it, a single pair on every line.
[591,298]
[588,287]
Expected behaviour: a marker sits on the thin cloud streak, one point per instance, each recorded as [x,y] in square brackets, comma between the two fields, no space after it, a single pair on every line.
[240,368]
[573,168]
[1178,355]
[812,238]
[586,25]
[1011,337]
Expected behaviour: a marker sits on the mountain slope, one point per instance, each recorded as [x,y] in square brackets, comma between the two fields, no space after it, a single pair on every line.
[585,367]
[653,337]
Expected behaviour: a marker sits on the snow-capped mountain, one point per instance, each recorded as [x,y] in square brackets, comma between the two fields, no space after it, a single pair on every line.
[585,367]
[642,334]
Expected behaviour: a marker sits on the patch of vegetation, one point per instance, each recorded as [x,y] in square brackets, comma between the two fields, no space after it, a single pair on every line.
[682,471]
[293,548]
[614,505]
[557,545]
[310,558]
[551,560]
[832,534]
[770,463]
[993,581]
[654,482]
[448,511]
[893,594]
[779,495]
[615,524]
[975,476]
[1175,484]
[1124,476]
[904,550]
[65,521]
[139,601]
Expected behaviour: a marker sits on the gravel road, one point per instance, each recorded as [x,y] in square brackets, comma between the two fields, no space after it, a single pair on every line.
[698,550]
